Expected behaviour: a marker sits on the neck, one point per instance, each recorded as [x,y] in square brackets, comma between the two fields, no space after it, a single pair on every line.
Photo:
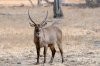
[36,39]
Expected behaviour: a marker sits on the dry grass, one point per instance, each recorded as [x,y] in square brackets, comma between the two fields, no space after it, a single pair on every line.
[80,27]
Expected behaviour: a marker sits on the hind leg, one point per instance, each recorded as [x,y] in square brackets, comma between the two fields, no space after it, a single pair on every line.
[61,51]
[53,52]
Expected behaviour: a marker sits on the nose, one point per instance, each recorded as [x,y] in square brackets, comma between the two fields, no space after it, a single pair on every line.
[37,33]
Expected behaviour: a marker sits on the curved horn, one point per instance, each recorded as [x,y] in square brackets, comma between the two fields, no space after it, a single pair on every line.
[31,18]
[31,3]
[44,21]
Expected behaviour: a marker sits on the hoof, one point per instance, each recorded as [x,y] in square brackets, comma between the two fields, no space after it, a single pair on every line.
[50,61]
[36,63]
[62,61]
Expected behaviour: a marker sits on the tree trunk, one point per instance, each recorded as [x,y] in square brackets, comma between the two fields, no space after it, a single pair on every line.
[39,2]
[91,3]
[57,9]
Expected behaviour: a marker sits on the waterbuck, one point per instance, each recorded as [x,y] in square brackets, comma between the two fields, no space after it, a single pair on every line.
[46,37]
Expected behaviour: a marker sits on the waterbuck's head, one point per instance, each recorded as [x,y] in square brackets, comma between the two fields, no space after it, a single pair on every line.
[38,27]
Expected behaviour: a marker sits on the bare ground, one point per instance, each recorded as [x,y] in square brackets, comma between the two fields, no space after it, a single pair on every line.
[81,36]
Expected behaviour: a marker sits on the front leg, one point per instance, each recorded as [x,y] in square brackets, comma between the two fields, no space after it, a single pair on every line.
[38,54]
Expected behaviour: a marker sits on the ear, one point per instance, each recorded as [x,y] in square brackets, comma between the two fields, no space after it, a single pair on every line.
[32,25]
[43,24]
